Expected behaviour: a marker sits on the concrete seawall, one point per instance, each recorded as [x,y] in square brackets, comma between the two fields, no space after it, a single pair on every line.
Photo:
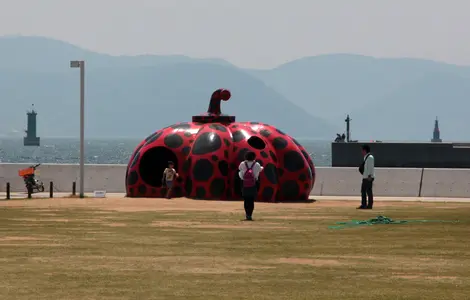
[329,181]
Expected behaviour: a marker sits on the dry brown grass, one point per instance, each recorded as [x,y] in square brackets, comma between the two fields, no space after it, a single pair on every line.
[182,249]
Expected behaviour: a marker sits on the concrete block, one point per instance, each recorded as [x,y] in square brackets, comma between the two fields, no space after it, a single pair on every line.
[97,177]
[451,183]
[330,181]
[347,181]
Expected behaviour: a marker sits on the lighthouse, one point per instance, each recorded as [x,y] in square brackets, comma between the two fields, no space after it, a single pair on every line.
[31,139]
[436,135]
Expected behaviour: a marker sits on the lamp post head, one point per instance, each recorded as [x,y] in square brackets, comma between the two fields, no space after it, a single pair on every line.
[75,64]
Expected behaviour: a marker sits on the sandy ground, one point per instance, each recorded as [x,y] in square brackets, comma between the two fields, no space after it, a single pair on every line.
[184,204]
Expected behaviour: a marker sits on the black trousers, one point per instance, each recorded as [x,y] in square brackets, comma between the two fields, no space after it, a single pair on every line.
[249,204]
[249,197]
[366,193]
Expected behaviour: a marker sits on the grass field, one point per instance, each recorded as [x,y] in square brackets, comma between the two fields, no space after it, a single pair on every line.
[183,249]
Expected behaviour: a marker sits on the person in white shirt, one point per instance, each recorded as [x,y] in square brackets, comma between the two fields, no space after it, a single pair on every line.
[368,176]
[249,171]
[169,175]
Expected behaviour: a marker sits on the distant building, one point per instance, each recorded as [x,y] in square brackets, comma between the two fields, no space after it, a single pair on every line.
[31,139]
[436,135]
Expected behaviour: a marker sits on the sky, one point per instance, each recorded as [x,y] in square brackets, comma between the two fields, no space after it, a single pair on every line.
[250,33]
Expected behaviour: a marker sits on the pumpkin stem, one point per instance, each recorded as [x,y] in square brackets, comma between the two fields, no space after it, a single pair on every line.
[214,104]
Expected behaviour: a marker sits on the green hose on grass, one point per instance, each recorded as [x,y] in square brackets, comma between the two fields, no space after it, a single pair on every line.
[381,220]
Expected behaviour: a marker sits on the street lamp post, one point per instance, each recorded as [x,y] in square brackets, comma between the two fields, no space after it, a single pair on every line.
[81,64]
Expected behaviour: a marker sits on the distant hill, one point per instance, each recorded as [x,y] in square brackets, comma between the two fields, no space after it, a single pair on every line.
[48,55]
[131,96]
[387,98]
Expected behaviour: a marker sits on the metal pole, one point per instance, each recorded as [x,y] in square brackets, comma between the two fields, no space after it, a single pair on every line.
[82,129]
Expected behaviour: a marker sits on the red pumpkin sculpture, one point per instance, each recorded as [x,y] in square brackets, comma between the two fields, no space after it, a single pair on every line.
[207,153]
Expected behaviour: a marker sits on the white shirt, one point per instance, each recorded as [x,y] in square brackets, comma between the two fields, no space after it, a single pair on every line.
[368,166]
[257,168]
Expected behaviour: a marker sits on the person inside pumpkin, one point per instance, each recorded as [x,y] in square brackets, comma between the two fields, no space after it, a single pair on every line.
[169,175]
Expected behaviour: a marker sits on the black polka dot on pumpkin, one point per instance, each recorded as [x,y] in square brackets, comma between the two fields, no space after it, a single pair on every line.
[273,156]
[203,170]
[234,126]
[186,150]
[191,141]
[303,197]
[188,134]
[280,172]
[200,192]
[238,136]
[279,143]
[207,142]
[264,154]
[227,142]
[136,158]
[233,166]
[127,175]
[187,165]
[260,162]
[173,141]
[265,132]
[302,177]
[290,189]
[293,161]
[226,154]
[280,131]
[305,154]
[153,137]
[184,125]
[142,189]
[235,149]
[270,173]
[267,193]
[295,142]
[223,167]
[218,127]
[138,149]
[133,178]
[242,153]
[306,186]
[214,158]
[237,184]
[217,187]
[188,186]
[309,174]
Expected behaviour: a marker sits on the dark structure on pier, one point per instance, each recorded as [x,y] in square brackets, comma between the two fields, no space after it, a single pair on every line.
[434,154]
[31,138]
[436,135]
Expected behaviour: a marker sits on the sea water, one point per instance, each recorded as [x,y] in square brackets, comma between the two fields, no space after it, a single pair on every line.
[108,151]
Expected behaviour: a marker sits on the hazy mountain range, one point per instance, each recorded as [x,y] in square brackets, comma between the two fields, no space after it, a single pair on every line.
[310,97]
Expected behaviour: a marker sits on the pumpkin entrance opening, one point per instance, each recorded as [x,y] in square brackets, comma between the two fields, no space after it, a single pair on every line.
[153,163]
